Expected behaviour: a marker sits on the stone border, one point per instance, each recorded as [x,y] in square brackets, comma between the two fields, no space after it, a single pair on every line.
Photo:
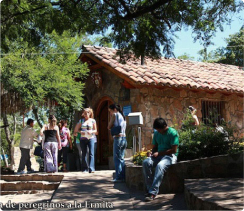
[222,166]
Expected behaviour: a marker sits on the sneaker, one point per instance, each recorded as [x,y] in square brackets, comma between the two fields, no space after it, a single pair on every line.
[30,171]
[151,197]
[21,172]
[92,172]
[85,172]
[118,180]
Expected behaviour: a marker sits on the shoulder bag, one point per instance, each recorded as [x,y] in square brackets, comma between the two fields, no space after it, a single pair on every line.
[116,130]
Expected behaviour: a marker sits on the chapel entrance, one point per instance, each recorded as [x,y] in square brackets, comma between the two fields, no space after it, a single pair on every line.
[104,142]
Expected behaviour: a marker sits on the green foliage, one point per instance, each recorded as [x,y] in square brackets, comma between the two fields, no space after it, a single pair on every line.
[206,141]
[48,74]
[186,56]
[141,26]
[231,54]
[16,137]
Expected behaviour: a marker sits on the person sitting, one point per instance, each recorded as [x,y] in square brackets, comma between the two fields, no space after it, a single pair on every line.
[164,153]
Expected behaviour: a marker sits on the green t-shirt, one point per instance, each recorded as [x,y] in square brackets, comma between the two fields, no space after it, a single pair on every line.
[167,140]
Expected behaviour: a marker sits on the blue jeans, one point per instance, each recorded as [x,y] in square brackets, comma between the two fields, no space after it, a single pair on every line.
[119,146]
[161,163]
[84,143]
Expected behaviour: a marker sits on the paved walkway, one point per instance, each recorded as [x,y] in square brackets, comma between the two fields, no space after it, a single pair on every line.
[84,191]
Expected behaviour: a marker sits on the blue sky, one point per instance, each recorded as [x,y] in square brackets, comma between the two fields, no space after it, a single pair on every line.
[185,42]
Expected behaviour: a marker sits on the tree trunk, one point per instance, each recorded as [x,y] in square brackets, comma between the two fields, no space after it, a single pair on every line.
[35,112]
[8,136]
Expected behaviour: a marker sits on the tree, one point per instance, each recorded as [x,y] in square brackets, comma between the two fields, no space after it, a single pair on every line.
[42,77]
[142,26]
[233,53]
[186,56]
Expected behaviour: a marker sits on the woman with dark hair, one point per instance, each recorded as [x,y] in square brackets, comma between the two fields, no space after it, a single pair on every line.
[52,144]
[120,143]
[194,116]
[66,143]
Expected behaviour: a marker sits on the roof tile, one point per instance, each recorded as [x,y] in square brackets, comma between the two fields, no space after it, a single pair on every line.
[173,72]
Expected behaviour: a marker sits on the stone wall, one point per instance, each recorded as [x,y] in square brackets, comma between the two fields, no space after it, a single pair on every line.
[168,103]
[223,166]
[171,104]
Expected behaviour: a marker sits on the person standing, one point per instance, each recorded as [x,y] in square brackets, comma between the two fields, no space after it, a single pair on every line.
[87,127]
[52,144]
[120,142]
[193,111]
[164,153]
[66,143]
[26,143]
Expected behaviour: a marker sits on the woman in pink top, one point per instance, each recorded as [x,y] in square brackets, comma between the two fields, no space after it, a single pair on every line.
[66,143]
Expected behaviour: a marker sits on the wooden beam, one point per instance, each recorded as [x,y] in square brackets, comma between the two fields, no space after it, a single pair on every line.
[95,67]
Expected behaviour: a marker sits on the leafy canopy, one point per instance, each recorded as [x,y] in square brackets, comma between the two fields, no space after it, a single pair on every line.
[47,74]
[143,26]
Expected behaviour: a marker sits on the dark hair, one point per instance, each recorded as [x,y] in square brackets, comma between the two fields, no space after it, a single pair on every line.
[159,123]
[61,124]
[191,108]
[29,121]
[118,108]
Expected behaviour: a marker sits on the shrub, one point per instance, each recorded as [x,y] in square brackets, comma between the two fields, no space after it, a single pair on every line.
[206,141]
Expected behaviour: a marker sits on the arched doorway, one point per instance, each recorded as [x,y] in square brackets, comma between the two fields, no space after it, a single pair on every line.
[104,141]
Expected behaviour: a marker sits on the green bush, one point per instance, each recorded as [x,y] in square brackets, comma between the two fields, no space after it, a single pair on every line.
[206,141]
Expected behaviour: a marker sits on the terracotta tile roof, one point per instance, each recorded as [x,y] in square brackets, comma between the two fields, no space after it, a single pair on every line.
[171,72]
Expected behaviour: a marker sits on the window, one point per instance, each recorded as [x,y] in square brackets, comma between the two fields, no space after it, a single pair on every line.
[212,112]
[124,94]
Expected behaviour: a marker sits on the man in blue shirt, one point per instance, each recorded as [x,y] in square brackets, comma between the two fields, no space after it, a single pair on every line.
[164,153]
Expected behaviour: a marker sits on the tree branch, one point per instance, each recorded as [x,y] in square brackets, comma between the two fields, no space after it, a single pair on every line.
[14,130]
[35,110]
[125,6]
[161,18]
[145,9]
[29,11]
[6,129]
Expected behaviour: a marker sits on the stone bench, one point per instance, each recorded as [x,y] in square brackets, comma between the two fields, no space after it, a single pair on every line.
[223,166]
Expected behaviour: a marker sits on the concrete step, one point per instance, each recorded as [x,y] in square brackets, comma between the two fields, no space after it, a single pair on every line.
[32,177]
[214,194]
[28,185]
[20,192]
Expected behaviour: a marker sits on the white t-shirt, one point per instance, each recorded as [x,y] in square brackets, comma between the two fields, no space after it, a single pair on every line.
[27,136]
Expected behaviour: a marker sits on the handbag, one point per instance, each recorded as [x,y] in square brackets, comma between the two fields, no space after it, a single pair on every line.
[39,151]
[116,130]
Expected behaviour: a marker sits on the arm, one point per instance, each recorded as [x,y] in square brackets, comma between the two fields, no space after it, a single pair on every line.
[42,130]
[111,123]
[69,139]
[196,120]
[171,151]
[77,129]
[58,137]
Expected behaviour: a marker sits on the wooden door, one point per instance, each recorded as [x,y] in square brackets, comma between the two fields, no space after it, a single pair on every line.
[103,143]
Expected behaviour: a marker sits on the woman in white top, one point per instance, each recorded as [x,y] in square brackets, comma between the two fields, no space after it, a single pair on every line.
[120,142]
[87,128]
[194,116]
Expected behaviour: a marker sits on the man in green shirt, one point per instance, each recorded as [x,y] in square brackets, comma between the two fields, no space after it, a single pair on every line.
[164,153]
